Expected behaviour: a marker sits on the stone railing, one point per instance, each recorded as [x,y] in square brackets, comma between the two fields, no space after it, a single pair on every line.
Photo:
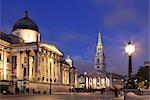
[145,92]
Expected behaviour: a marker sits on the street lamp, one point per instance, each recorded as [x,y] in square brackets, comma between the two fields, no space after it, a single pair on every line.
[130,50]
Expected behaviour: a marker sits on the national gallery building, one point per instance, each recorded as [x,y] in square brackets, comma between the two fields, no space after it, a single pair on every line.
[29,66]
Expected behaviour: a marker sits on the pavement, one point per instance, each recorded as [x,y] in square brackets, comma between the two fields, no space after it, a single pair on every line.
[63,96]
[132,96]
[74,96]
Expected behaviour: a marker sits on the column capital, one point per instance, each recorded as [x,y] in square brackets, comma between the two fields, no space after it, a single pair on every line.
[27,51]
[21,52]
[36,51]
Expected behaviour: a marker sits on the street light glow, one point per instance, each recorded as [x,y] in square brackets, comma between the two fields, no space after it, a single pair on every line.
[130,48]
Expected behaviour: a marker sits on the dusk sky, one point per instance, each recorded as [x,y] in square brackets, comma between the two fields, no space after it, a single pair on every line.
[73,26]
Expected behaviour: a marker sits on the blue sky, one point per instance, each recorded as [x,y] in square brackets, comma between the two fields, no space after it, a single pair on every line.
[73,26]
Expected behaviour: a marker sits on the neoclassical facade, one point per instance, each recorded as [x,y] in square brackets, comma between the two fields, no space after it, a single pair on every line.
[28,65]
[94,81]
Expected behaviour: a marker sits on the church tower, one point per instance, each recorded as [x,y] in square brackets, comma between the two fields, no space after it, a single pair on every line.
[99,56]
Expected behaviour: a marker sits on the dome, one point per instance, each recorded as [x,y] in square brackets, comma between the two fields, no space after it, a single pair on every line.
[25,23]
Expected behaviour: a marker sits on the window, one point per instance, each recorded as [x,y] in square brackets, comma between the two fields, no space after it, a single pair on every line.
[24,72]
[7,59]
[33,59]
[98,60]
[32,71]
[14,63]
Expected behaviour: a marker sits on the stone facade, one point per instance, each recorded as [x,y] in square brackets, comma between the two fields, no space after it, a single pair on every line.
[30,65]
[93,81]
[99,56]
[72,73]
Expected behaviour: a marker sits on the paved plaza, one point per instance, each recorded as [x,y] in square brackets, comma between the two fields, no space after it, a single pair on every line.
[75,96]
[63,96]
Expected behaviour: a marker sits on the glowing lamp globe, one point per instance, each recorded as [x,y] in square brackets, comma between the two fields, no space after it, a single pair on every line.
[130,48]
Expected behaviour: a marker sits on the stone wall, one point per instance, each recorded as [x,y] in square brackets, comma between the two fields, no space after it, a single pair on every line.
[45,88]
[60,88]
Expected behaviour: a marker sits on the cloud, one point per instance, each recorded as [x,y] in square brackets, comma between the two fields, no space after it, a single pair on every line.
[82,64]
[67,35]
[122,13]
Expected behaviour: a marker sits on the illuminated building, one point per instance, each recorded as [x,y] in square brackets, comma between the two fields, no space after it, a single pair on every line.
[73,73]
[99,56]
[98,78]
[28,65]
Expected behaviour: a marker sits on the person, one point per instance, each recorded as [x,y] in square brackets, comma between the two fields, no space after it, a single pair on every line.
[146,84]
[115,91]
[102,90]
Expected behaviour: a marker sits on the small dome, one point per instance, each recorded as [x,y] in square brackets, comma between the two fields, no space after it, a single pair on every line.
[25,23]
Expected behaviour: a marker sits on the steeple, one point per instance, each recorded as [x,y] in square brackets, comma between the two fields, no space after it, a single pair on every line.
[99,43]
[99,55]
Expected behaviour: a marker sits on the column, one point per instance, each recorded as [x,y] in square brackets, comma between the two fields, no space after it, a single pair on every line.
[44,68]
[52,71]
[67,76]
[63,76]
[59,80]
[21,64]
[86,80]
[4,64]
[61,73]
[76,79]
[56,70]
[30,68]
[47,67]
[36,64]
[18,69]
[27,66]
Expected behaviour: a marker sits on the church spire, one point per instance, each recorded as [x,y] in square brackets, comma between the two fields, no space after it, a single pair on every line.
[99,55]
[99,43]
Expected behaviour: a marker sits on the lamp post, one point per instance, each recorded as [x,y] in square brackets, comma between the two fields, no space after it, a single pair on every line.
[130,50]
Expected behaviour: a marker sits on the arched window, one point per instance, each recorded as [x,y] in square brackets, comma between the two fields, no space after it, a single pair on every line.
[98,60]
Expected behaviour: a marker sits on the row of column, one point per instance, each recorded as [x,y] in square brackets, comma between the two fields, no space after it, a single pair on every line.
[96,83]
[65,76]
[5,67]
[38,66]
